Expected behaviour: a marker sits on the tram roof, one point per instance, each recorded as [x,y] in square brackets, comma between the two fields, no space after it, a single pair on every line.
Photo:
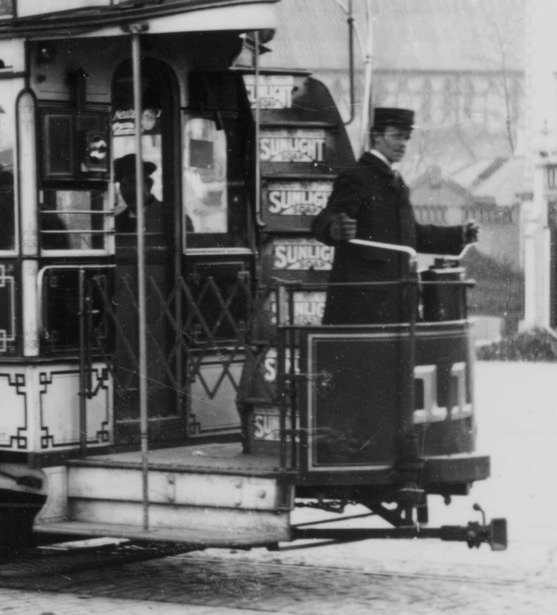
[107,18]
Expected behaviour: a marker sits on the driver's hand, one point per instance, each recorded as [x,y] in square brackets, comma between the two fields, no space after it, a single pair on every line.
[471,232]
[343,228]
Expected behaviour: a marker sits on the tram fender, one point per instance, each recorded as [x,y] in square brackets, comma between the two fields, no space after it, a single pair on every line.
[463,468]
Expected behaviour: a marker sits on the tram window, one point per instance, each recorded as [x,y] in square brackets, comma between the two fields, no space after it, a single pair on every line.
[7,228]
[205,186]
[215,210]
[7,141]
[75,144]
[73,220]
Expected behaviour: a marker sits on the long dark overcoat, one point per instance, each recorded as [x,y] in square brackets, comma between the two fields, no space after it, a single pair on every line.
[378,199]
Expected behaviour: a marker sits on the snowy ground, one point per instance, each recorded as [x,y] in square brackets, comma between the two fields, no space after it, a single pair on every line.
[517,426]
[516,410]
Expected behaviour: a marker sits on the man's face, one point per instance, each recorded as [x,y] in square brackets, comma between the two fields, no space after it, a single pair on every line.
[127,190]
[392,143]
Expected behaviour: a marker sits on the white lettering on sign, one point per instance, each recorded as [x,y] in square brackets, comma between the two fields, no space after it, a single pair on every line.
[293,146]
[270,365]
[272,91]
[308,307]
[298,199]
[431,412]
[308,312]
[266,424]
[462,409]
[304,256]
[123,121]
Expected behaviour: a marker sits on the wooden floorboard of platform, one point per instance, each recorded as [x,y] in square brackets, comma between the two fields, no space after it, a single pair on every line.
[226,458]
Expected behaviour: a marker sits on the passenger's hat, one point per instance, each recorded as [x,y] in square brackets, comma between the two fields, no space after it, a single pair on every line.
[126,166]
[388,116]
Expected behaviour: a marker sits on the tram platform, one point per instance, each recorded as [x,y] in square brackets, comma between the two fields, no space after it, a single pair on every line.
[224,457]
[206,495]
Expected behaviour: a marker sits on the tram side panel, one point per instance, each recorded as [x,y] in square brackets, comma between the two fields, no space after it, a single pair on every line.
[351,394]
[55,124]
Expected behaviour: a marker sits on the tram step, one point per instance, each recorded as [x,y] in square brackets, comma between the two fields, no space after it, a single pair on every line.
[212,537]
[179,488]
[183,504]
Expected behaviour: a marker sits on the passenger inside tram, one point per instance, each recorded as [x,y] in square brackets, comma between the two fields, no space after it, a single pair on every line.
[126,211]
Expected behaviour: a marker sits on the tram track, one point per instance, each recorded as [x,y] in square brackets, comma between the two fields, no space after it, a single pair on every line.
[48,559]
[386,574]
[261,582]
[41,562]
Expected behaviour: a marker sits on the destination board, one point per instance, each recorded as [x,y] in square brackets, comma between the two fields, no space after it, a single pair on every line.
[291,205]
[292,145]
[301,259]
[308,306]
[301,254]
[272,91]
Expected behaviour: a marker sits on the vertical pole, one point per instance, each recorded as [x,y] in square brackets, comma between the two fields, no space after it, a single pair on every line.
[257,119]
[368,74]
[352,104]
[140,200]
[82,366]
[409,464]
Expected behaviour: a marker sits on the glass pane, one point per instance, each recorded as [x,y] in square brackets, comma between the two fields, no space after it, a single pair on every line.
[73,220]
[57,154]
[92,136]
[7,136]
[205,181]
[125,214]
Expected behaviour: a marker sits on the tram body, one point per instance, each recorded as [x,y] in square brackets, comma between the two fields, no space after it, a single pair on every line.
[174,383]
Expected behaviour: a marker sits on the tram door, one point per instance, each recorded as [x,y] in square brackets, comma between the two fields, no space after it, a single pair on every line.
[218,245]
[198,251]
[159,92]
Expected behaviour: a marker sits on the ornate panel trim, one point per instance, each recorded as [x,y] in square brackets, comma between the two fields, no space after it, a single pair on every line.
[14,419]
[59,408]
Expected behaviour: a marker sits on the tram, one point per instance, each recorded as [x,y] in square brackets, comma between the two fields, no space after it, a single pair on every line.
[167,379]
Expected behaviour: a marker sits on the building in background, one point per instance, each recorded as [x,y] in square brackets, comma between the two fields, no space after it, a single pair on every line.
[541,148]
[459,63]
[487,191]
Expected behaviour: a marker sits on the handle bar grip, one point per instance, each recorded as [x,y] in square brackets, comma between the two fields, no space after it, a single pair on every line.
[386,246]
[406,249]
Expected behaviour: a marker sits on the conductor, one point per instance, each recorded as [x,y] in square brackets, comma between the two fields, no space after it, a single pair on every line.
[370,201]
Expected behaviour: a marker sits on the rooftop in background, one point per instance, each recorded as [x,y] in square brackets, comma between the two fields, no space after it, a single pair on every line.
[496,181]
[465,35]
[502,180]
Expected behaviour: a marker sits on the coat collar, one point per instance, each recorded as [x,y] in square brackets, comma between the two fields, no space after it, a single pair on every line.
[369,159]
[392,177]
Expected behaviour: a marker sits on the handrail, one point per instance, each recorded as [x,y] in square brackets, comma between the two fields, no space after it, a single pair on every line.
[463,251]
[412,253]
